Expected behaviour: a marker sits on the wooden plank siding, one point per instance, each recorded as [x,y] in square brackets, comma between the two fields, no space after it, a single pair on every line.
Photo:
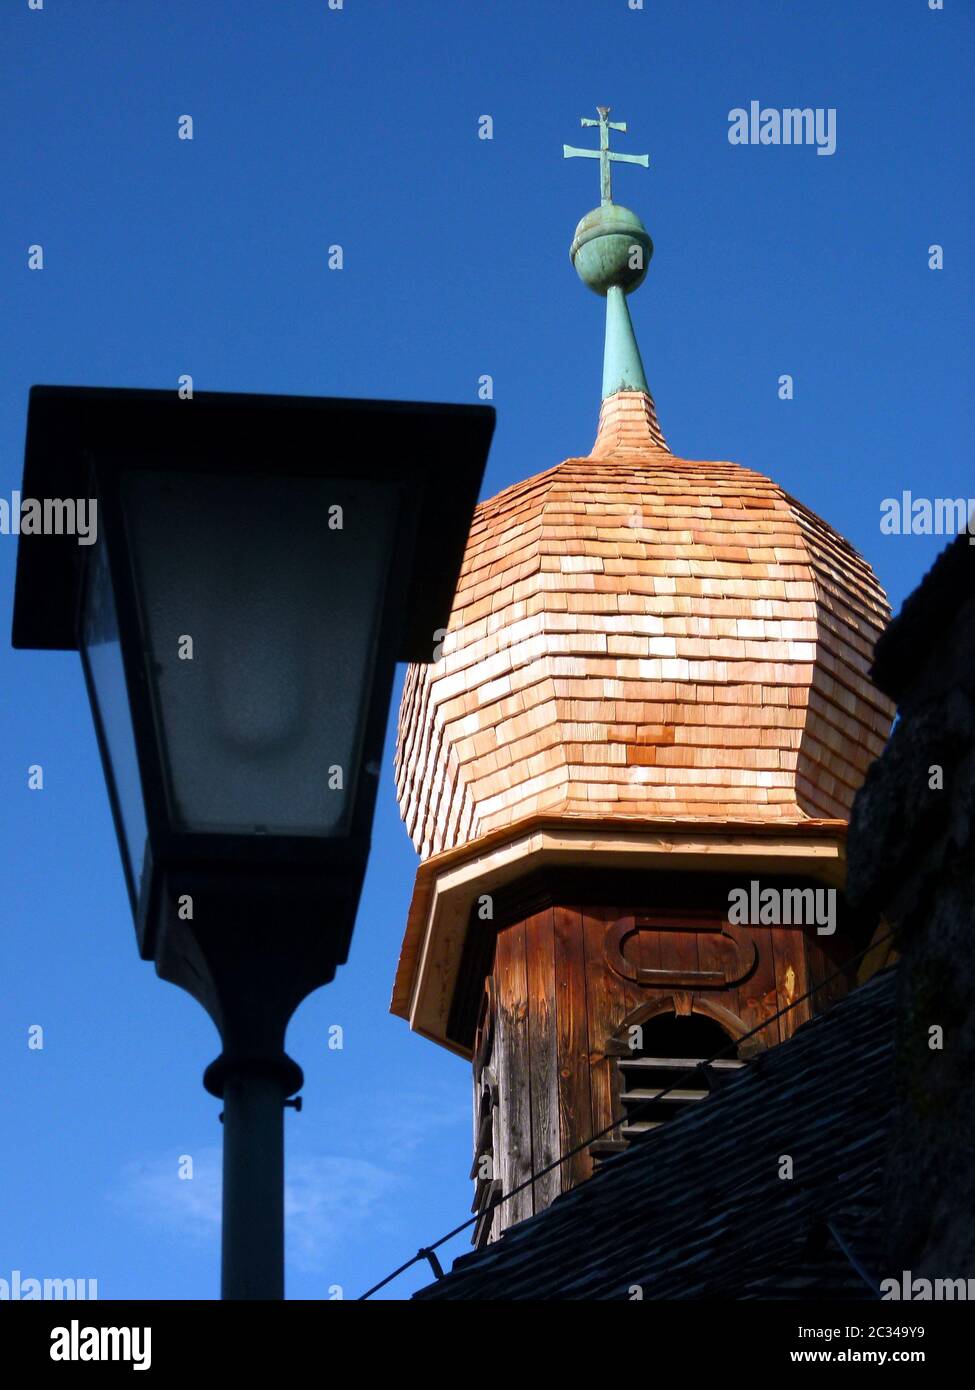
[572,1032]
[543,1056]
[791,979]
[562,1012]
[514,1162]
[756,1001]
[605,1002]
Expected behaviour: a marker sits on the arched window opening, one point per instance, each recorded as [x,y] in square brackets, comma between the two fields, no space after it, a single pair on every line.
[662,1049]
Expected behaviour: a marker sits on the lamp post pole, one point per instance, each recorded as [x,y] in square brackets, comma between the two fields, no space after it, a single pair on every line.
[251,993]
[252,1264]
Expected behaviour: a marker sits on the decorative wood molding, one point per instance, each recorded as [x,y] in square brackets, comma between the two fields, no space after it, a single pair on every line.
[679,1002]
[742,954]
[446,955]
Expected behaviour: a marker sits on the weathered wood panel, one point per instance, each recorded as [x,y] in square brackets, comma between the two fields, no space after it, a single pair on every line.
[822,957]
[679,950]
[514,1159]
[834,955]
[757,995]
[606,1007]
[561,1004]
[715,956]
[647,955]
[572,1032]
[814,974]
[791,980]
[543,1056]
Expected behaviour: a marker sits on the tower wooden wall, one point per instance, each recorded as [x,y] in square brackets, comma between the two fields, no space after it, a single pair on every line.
[566,967]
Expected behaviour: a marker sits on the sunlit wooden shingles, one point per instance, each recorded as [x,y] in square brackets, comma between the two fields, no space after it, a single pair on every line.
[636,635]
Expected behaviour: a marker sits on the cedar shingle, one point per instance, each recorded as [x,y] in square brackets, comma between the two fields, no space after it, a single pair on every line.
[640,635]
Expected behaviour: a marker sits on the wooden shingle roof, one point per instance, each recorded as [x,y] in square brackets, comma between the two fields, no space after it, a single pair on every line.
[638,636]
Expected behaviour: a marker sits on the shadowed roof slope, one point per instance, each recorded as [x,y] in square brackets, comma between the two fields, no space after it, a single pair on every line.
[699,1210]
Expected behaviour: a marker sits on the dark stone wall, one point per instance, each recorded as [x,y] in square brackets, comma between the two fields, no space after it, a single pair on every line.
[912,858]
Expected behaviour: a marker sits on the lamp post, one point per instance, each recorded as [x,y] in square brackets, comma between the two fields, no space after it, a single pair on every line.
[259,565]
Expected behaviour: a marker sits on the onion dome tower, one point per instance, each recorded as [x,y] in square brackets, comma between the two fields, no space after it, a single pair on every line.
[653,692]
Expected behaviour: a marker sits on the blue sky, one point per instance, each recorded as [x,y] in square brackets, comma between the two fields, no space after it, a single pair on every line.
[359,127]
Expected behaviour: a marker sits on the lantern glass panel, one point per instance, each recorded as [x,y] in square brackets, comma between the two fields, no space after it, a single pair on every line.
[260,600]
[102,660]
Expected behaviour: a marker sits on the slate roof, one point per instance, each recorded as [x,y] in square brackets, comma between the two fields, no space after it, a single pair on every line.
[699,1210]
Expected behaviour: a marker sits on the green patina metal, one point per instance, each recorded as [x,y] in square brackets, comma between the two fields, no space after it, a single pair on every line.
[611,252]
[604,154]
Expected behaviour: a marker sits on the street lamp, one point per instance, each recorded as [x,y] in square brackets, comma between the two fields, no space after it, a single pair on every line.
[259,565]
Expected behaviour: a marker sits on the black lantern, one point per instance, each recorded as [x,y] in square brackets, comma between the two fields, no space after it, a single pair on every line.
[258,566]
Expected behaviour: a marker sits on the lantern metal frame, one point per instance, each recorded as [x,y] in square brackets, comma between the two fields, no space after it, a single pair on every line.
[272,913]
[87,438]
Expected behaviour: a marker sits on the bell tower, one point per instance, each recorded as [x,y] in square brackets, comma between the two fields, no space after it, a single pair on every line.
[629,774]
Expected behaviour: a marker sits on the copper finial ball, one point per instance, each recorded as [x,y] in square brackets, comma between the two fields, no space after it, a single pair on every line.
[611,247]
